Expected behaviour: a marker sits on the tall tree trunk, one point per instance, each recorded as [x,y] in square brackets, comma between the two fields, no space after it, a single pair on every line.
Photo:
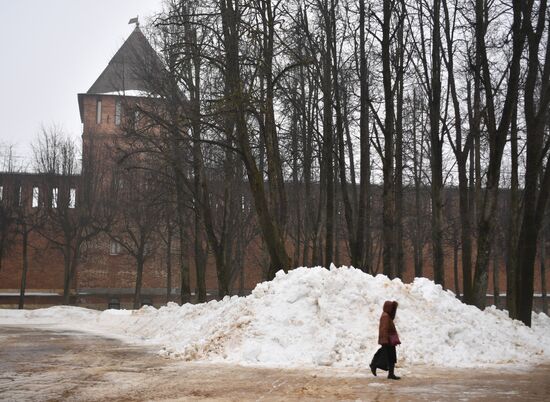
[169,263]
[307,139]
[536,105]
[363,235]
[543,271]
[139,280]
[497,136]
[220,245]
[272,236]
[242,276]
[436,154]
[25,244]
[274,164]
[66,274]
[400,78]
[388,195]
[513,222]
[472,207]
[199,180]
[344,188]
[328,136]
[349,145]
[455,264]
[296,194]
[533,213]
[222,274]
[466,227]
[309,216]
[185,291]
[461,150]
[418,248]
[75,262]
[496,278]
[200,261]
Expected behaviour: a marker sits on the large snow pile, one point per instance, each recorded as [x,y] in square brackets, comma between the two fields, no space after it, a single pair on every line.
[315,316]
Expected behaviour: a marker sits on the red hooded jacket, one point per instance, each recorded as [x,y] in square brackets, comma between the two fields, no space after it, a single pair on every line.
[387,327]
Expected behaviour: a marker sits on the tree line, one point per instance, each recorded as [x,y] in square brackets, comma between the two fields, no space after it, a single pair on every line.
[319,110]
[344,94]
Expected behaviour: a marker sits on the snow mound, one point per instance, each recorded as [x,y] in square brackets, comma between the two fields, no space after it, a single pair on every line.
[319,317]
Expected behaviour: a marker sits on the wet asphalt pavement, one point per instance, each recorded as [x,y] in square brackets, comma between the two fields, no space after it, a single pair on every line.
[44,365]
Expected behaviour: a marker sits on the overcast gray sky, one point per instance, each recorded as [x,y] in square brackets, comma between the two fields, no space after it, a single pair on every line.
[50,51]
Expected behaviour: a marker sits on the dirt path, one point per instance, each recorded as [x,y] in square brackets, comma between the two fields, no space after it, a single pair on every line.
[42,365]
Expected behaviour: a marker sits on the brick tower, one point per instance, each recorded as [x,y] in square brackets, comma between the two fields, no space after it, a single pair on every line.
[125,80]
[106,110]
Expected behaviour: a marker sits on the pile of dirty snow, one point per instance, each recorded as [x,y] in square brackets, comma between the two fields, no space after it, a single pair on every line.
[318,317]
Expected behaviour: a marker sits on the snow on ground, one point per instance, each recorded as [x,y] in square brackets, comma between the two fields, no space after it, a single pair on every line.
[317,317]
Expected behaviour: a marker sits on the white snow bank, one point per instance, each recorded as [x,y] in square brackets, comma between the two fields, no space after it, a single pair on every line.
[313,317]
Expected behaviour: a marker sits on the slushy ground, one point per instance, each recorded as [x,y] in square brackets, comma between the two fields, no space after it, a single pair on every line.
[43,365]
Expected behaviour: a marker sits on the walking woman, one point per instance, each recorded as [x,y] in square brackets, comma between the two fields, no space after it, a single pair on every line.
[386,357]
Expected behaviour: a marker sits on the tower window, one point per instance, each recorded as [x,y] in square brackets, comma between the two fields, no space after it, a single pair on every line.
[98,111]
[72,198]
[118,112]
[54,197]
[115,247]
[35,196]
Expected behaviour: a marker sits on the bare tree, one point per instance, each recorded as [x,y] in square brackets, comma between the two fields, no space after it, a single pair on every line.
[497,130]
[536,25]
[137,203]
[429,72]
[7,212]
[26,221]
[363,242]
[69,202]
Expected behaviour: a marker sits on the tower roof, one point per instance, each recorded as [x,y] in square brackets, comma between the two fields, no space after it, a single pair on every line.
[129,68]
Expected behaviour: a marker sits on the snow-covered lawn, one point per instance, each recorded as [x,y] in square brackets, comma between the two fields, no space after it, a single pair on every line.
[317,317]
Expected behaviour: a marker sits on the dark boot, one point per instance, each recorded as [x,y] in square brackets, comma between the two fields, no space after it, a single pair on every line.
[373,369]
[391,374]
